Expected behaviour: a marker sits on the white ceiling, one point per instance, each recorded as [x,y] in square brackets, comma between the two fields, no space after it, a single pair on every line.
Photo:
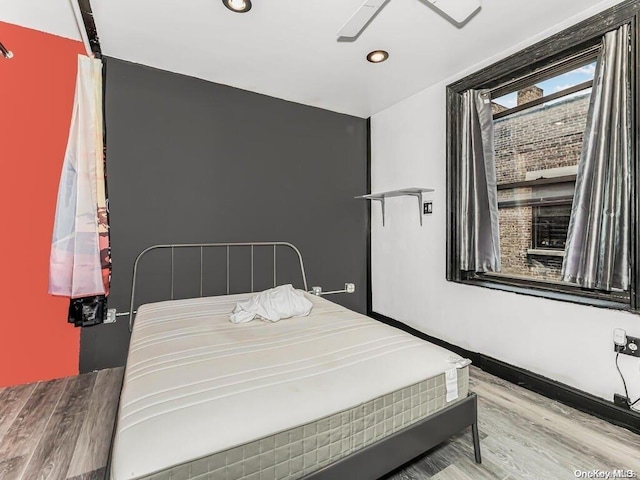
[288,48]
[52,16]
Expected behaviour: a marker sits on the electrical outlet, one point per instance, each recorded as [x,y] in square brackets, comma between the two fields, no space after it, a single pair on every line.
[111,316]
[632,347]
[428,208]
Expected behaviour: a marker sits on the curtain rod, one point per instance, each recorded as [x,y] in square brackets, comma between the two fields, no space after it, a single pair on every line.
[5,53]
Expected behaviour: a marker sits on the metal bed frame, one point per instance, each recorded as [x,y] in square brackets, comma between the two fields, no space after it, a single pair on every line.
[201,247]
[384,456]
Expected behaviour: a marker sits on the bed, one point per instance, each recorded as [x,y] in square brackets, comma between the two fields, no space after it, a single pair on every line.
[331,395]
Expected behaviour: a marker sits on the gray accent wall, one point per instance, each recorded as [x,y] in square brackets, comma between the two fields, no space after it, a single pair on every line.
[193,161]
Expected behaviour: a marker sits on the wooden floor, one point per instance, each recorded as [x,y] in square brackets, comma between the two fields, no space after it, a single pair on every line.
[527,436]
[59,429]
[62,429]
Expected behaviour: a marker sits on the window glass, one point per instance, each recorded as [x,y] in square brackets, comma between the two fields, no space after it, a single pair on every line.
[537,153]
[547,87]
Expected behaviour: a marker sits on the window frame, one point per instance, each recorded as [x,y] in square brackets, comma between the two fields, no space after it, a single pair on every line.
[556,53]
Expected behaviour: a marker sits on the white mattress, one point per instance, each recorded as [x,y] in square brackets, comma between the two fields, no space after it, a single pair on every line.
[196,384]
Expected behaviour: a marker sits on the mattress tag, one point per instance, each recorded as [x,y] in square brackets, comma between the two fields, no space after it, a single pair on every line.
[452,384]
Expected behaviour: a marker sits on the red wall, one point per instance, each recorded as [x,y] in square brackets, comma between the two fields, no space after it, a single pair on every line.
[36,97]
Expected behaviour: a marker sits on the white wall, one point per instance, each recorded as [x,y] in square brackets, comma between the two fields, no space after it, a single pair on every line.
[566,342]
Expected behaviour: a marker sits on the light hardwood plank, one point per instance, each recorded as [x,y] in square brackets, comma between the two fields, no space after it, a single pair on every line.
[453,472]
[407,473]
[401,475]
[521,461]
[93,443]
[616,453]
[539,437]
[526,436]
[439,458]
[28,427]
[100,474]
[456,451]
[487,470]
[51,458]
[601,426]
[11,402]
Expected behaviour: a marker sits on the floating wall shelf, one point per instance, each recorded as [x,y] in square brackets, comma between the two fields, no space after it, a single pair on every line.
[405,192]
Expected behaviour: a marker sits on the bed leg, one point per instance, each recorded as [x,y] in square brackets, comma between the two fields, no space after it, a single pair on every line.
[476,442]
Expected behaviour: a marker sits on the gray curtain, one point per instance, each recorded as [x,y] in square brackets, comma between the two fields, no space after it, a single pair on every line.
[478,220]
[597,251]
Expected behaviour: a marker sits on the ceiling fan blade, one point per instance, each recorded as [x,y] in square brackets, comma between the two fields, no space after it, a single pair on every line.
[360,19]
[457,10]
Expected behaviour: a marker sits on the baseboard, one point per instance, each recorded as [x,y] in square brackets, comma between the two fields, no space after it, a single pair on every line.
[560,392]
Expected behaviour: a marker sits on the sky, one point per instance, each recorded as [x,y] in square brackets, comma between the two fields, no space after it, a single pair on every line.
[555,84]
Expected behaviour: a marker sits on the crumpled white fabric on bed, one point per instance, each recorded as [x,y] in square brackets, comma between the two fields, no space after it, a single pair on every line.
[272,305]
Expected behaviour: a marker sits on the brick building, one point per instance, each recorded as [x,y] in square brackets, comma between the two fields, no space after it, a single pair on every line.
[539,142]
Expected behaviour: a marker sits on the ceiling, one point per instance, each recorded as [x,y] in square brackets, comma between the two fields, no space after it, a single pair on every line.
[288,48]
[52,16]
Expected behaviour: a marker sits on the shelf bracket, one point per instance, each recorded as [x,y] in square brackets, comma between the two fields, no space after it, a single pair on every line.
[418,195]
[381,200]
[411,192]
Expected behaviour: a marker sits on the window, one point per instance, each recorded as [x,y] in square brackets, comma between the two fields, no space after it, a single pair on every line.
[538,130]
[540,102]
[550,225]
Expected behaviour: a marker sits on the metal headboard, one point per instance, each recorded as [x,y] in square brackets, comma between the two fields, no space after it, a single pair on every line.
[202,246]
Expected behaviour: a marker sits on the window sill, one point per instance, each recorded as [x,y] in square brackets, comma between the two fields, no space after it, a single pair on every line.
[550,292]
[543,252]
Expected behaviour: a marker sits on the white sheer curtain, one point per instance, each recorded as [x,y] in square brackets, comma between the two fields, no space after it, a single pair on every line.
[75,268]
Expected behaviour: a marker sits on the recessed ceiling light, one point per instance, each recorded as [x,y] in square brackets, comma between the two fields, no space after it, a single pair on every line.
[238,6]
[377,56]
